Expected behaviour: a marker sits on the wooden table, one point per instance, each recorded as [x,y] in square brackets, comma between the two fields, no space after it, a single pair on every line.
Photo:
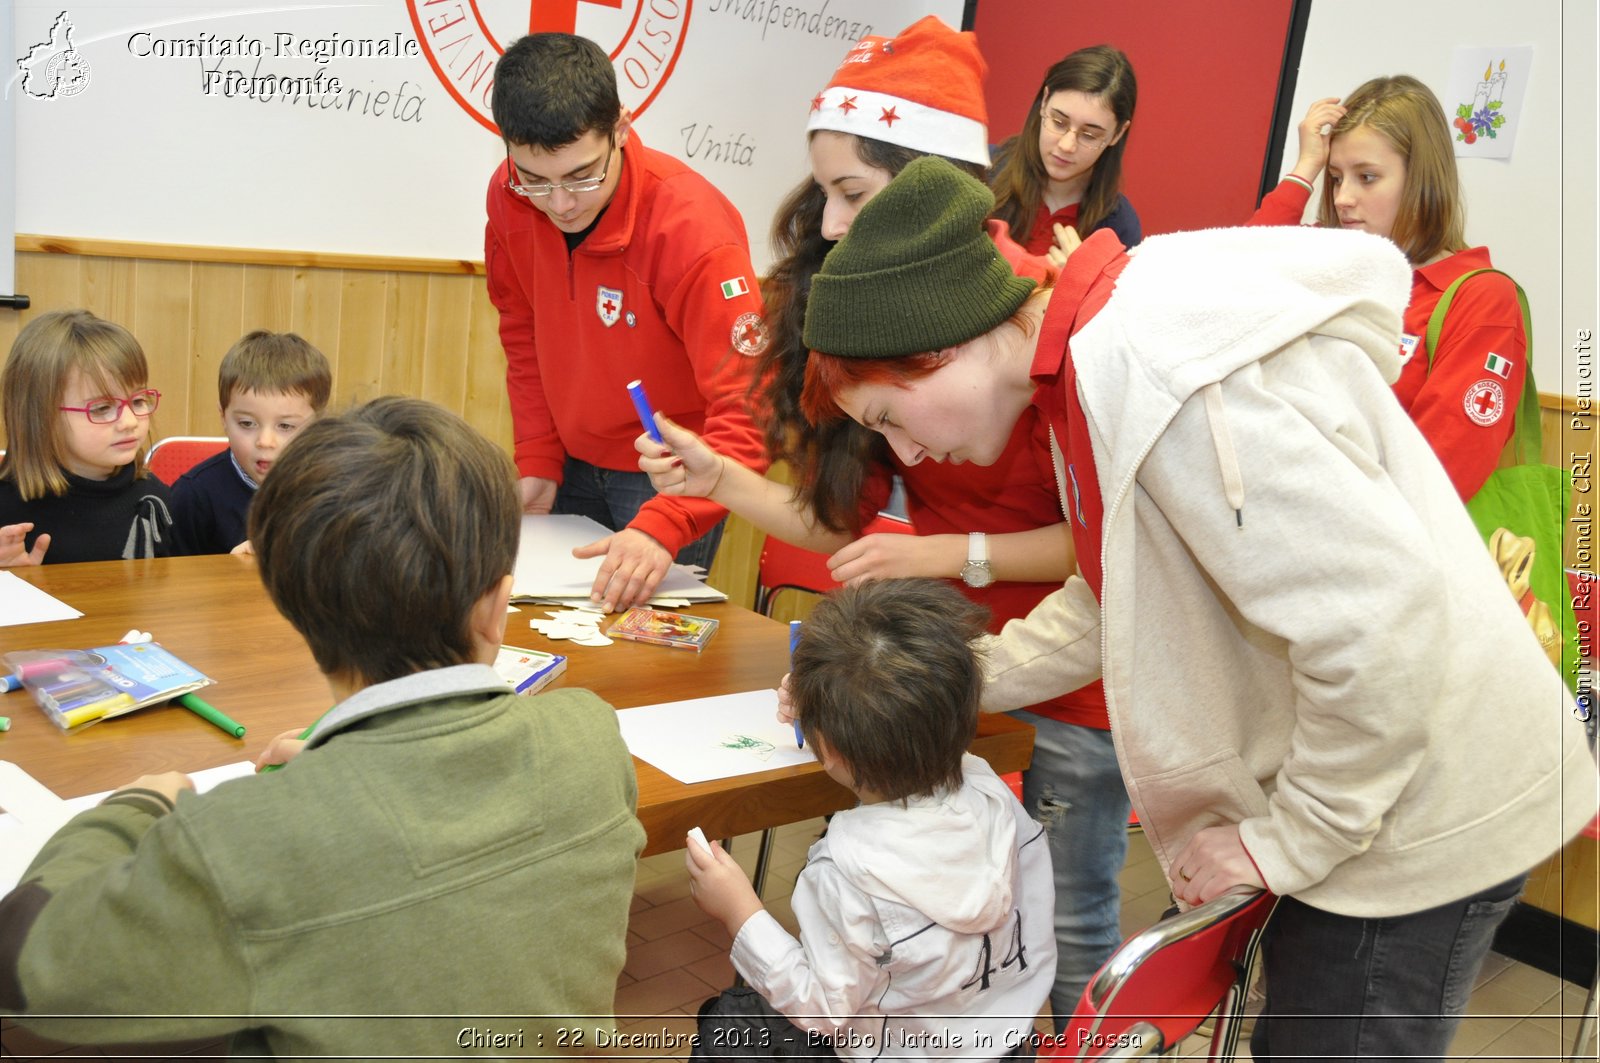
[214,613]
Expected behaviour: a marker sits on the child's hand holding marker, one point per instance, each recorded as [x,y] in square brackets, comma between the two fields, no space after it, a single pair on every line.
[718,884]
[282,750]
[786,703]
[679,463]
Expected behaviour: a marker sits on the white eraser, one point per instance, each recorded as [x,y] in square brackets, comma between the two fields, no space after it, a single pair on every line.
[698,836]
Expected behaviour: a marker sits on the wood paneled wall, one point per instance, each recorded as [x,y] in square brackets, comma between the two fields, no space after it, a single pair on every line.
[386,327]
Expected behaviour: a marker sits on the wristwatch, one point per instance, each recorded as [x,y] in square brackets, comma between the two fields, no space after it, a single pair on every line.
[976,572]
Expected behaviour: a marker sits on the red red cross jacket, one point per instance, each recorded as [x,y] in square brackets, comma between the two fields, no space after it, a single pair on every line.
[661,291]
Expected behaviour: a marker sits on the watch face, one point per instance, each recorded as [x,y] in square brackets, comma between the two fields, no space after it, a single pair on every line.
[976,574]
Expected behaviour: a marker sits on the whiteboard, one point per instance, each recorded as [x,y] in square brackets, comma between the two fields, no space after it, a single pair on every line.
[1535,211]
[172,131]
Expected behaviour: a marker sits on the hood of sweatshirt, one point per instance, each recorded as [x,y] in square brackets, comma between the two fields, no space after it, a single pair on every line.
[951,856]
[1191,308]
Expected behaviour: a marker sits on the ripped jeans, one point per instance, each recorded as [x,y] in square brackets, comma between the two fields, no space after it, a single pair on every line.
[1074,789]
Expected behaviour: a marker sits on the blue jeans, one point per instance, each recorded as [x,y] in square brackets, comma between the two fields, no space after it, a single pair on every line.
[1074,789]
[1339,987]
[612,498]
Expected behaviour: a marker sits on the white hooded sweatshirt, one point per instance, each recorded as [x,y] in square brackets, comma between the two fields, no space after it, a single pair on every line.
[926,928]
[1302,632]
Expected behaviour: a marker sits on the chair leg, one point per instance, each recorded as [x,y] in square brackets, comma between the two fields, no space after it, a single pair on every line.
[1580,1044]
[763,859]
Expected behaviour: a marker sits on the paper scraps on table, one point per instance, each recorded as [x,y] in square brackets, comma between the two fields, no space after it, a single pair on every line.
[581,626]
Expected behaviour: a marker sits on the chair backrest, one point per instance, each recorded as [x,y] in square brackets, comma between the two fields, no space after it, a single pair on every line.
[1163,982]
[786,567]
[175,455]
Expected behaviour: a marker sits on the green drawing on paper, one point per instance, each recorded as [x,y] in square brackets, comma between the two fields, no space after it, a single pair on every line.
[748,743]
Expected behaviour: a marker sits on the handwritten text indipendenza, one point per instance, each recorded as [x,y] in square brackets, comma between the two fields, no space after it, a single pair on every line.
[808,19]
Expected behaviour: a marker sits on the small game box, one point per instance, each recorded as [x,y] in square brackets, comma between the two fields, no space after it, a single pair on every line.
[679,630]
[528,671]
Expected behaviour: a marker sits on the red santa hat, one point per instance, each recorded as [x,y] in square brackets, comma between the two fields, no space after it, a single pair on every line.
[921,90]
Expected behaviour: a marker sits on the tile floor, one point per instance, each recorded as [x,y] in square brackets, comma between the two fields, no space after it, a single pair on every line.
[677,958]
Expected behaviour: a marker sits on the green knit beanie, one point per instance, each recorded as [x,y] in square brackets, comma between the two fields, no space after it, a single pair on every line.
[917,272]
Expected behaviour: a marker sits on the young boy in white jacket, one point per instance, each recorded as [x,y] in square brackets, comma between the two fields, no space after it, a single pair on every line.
[925,912]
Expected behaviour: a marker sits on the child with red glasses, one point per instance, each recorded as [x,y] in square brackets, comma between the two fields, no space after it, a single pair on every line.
[76,409]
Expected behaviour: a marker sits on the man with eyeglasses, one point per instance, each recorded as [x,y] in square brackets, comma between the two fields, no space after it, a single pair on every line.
[610,262]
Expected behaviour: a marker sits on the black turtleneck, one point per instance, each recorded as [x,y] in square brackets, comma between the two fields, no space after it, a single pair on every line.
[96,520]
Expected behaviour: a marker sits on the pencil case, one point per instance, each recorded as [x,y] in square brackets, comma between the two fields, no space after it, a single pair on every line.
[69,686]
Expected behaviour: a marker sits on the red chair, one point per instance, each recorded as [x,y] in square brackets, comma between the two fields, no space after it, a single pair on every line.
[789,568]
[1163,982]
[175,455]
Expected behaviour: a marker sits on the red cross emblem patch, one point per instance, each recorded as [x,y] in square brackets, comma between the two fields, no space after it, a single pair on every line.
[608,304]
[1485,402]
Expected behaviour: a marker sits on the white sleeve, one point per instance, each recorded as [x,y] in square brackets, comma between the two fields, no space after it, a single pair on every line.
[1052,650]
[820,981]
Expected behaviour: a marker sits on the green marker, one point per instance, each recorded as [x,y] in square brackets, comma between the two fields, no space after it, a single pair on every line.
[210,715]
[303,736]
[5,723]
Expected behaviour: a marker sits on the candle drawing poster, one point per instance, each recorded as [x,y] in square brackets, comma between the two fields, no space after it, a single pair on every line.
[1483,101]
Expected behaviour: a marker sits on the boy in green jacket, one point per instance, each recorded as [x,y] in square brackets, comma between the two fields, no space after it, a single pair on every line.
[443,869]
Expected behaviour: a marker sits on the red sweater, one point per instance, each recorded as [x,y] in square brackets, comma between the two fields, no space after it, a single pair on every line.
[1016,493]
[1466,405]
[661,290]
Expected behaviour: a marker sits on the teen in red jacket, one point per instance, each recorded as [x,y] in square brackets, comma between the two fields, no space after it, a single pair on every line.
[1391,171]
[610,262]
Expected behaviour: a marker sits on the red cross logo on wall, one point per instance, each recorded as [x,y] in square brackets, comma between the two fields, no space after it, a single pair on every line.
[1485,402]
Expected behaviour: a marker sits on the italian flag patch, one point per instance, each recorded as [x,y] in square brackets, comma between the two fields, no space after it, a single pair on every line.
[735,287]
[1500,367]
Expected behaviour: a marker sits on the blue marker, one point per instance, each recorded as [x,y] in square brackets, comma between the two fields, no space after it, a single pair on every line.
[647,415]
[794,640]
[9,683]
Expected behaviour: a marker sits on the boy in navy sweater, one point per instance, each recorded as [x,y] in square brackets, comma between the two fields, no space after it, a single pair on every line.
[270,385]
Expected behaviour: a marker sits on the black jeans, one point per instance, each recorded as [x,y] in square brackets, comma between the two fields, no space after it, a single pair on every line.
[1339,987]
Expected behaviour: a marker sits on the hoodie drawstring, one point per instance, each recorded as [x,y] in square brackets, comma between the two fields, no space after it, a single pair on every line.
[1227,460]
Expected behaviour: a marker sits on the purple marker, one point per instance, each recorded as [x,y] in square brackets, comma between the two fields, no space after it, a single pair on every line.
[647,414]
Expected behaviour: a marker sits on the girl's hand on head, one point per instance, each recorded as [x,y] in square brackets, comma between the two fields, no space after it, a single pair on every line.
[12,552]
[681,464]
[1316,131]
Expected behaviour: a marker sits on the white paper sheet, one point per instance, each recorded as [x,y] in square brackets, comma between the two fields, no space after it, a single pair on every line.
[32,813]
[547,569]
[713,738]
[23,603]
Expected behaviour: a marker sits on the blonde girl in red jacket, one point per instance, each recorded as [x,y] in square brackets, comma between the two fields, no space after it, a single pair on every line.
[1390,169]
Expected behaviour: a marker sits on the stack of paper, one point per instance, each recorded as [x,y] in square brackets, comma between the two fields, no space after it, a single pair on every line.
[547,572]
